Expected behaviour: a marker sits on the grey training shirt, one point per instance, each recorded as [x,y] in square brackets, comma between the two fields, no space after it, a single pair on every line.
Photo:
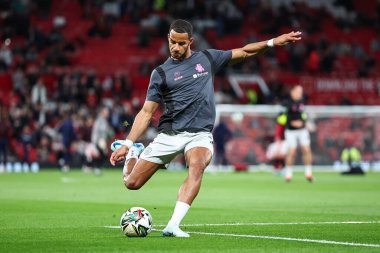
[186,88]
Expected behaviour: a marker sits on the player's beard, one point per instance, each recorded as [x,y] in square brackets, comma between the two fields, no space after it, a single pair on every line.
[178,56]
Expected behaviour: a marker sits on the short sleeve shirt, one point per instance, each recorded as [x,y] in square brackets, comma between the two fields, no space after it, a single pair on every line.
[186,88]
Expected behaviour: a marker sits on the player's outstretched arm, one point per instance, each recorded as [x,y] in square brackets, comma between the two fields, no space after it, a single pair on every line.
[139,126]
[252,49]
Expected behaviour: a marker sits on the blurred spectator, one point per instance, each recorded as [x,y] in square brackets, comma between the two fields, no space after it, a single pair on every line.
[68,136]
[201,42]
[143,38]
[224,94]
[358,51]
[5,55]
[26,138]
[43,7]
[107,86]
[352,157]
[277,150]
[45,154]
[18,79]
[230,18]
[127,115]
[5,134]
[222,135]
[39,93]
[100,28]
[297,56]
[375,44]
[37,38]
[101,135]
[21,16]
[59,21]
[313,60]
[327,60]
[55,36]
[111,9]
[57,56]
[122,87]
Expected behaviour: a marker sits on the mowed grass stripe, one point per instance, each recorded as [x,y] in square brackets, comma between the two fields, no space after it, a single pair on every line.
[40,213]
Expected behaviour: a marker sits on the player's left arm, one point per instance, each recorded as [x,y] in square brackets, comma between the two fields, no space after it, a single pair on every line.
[252,49]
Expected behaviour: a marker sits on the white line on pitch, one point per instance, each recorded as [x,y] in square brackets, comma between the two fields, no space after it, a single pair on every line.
[275,223]
[68,180]
[278,238]
[290,239]
[268,223]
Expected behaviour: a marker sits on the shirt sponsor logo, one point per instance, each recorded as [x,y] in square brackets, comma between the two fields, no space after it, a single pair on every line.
[177,76]
[199,68]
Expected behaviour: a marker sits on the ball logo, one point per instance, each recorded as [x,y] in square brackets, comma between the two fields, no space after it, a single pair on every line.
[195,75]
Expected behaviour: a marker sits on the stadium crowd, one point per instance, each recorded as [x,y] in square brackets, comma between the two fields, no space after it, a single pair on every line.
[43,83]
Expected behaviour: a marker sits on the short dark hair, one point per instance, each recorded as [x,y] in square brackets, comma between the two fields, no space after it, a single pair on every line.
[182,26]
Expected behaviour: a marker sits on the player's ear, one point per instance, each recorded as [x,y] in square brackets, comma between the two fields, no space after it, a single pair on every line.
[191,41]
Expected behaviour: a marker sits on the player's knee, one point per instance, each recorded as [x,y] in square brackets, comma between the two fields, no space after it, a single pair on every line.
[196,169]
[306,149]
[292,152]
[131,184]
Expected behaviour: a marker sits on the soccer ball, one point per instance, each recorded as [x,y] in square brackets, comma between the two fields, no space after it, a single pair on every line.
[117,144]
[136,222]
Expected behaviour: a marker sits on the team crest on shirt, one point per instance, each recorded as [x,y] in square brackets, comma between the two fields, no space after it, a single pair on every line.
[177,76]
[199,68]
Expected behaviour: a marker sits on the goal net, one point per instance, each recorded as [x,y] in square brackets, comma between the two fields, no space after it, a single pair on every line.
[332,128]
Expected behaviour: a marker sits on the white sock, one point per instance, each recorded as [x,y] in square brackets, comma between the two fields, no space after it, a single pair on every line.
[308,170]
[288,172]
[180,211]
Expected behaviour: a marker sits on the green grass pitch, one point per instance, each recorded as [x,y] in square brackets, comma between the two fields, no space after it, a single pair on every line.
[54,212]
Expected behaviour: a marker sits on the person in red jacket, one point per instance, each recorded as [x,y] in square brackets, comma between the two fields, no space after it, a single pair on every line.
[276,152]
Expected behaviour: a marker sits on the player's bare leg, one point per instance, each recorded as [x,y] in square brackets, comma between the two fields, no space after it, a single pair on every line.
[307,159]
[291,156]
[197,159]
[135,177]
[131,159]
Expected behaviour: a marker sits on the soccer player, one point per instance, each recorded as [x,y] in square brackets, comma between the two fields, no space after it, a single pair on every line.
[296,133]
[184,83]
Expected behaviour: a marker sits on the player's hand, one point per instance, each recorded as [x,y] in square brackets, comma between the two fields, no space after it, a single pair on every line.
[119,155]
[287,38]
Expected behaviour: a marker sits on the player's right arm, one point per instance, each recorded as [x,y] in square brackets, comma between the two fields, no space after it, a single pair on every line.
[143,118]
[139,126]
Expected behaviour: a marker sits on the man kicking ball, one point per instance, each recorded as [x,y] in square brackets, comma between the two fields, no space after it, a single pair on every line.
[184,83]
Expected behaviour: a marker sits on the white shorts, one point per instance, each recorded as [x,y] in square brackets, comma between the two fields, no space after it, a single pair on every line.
[165,148]
[293,137]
